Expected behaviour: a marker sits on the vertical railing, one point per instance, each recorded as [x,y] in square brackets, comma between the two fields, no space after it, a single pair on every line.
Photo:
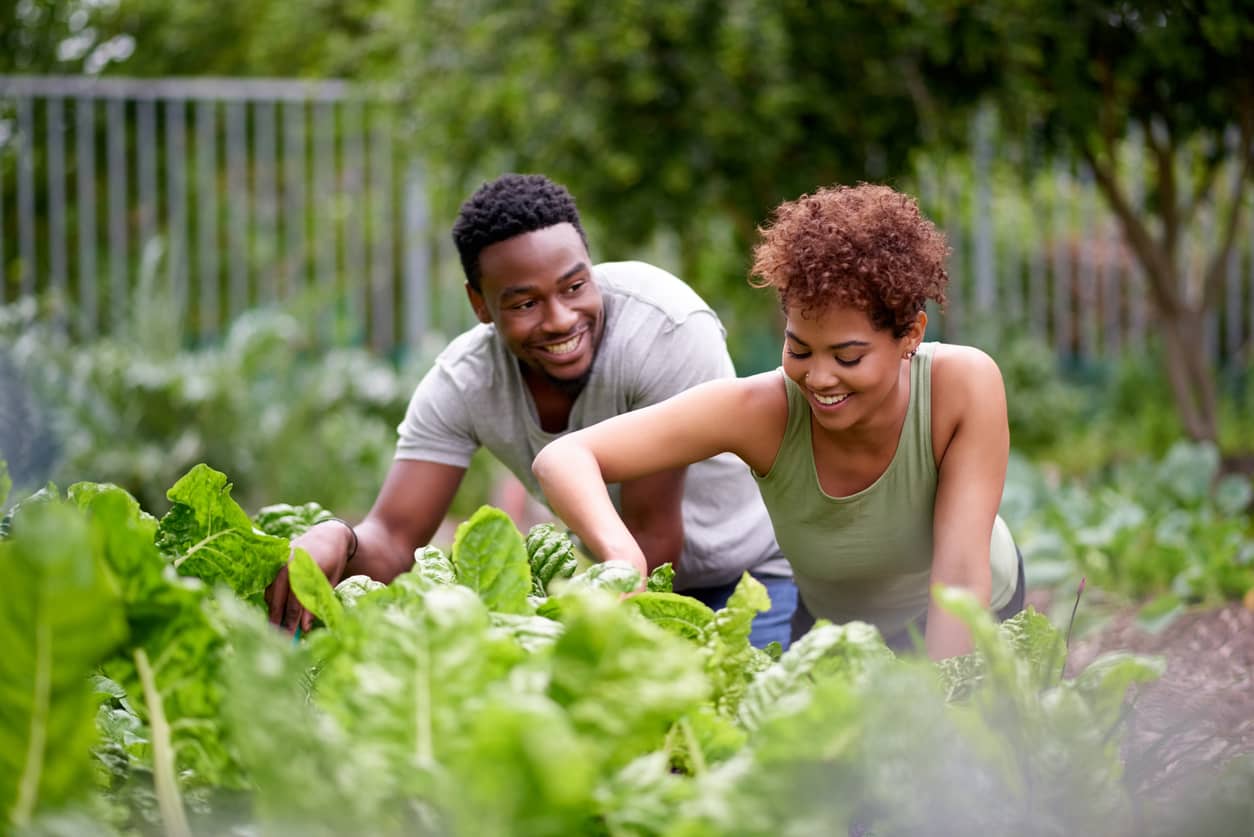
[253,192]
[262,191]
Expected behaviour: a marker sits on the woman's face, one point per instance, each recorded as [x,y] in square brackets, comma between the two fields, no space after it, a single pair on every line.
[847,368]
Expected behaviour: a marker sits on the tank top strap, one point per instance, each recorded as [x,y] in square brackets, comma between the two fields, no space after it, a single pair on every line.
[918,435]
[798,410]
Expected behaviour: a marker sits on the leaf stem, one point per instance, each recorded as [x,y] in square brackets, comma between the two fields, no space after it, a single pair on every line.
[694,747]
[169,800]
[424,745]
[28,790]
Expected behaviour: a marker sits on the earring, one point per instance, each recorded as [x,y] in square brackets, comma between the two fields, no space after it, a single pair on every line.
[908,355]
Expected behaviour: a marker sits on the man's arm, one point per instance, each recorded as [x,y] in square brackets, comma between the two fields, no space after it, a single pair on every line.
[411,504]
[652,509]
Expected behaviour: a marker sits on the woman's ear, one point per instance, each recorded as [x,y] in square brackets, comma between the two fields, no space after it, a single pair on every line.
[914,335]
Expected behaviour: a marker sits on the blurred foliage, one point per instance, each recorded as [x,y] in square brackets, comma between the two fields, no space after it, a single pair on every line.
[1169,526]
[290,418]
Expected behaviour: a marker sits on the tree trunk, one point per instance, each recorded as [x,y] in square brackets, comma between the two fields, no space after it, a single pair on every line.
[1181,321]
[1190,372]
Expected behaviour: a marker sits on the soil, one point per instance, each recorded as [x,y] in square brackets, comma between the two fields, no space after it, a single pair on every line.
[1200,713]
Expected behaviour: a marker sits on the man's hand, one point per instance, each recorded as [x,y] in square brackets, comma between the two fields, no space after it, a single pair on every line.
[328,544]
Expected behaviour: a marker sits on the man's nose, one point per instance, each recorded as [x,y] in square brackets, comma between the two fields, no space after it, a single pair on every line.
[559,318]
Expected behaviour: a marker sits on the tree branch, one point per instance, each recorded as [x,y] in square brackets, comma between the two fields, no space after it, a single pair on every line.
[1201,189]
[1164,156]
[1158,266]
[1211,282]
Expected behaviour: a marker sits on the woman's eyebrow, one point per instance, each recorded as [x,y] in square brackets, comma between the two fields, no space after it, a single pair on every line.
[845,344]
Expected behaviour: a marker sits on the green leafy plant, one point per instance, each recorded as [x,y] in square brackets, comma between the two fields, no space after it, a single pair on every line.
[456,700]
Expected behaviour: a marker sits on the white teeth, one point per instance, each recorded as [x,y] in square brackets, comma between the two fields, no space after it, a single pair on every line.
[563,348]
[829,401]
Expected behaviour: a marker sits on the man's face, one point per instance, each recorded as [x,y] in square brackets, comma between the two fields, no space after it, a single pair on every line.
[538,290]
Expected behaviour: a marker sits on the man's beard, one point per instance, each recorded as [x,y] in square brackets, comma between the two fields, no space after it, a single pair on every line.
[570,386]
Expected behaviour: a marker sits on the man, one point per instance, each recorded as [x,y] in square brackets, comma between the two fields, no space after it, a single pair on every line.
[562,345]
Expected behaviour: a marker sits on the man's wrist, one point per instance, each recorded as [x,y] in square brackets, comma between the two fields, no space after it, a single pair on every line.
[353,543]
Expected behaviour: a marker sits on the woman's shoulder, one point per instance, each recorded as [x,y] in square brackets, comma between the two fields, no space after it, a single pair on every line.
[966,381]
[958,370]
[755,415]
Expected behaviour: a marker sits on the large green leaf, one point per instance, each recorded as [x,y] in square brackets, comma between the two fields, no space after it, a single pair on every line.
[731,661]
[613,576]
[623,680]
[6,483]
[522,768]
[308,773]
[431,563]
[61,616]
[682,615]
[210,537]
[313,590]
[491,558]
[284,520]
[401,672]
[170,629]
[786,685]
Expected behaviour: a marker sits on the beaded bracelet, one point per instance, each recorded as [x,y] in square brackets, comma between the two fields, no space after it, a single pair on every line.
[352,550]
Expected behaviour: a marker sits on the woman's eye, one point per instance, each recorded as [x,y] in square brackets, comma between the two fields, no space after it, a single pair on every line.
[853,362]
[798,355]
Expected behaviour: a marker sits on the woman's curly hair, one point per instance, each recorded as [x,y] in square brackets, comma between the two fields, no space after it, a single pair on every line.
[864,246]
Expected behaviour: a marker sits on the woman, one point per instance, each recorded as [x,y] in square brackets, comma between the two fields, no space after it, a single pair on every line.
[881,458]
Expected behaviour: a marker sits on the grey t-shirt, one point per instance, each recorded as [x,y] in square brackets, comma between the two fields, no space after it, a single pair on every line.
[660,338]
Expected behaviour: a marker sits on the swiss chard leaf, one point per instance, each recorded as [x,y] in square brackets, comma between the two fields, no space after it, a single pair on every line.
[731,661]
[623,680]
[308,772]
[210,537]
[350,590]
[787,685]
[432,564]
[678,614]
[169,666]
[613,576]
[61,616]
[284,520]
[313,590]
[662,579]
[490,558]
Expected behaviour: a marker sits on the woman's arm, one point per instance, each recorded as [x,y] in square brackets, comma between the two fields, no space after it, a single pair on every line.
[968,394]
[724,415]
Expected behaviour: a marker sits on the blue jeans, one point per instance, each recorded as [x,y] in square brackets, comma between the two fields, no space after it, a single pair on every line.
[774,625]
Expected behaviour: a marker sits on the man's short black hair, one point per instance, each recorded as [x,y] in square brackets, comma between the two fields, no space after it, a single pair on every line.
[511,205]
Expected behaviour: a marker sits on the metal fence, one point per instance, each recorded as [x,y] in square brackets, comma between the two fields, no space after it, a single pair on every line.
[236,192]
[245,192]
[1049,255]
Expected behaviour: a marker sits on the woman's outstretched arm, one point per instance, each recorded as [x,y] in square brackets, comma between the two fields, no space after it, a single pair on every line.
[712,418]
[971,477]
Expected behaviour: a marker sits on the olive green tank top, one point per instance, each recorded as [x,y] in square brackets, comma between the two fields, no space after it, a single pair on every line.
[868,556]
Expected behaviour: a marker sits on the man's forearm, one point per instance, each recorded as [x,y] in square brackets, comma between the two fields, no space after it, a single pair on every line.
[378,555]
[660,545]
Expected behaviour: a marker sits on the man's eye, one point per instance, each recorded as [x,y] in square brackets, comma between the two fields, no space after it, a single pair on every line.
[575,288]
[523,306]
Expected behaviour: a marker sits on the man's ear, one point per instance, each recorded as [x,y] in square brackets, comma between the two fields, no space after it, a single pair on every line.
[478,303]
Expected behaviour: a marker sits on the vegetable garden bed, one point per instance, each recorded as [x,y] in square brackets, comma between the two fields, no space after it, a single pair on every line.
[494,690]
